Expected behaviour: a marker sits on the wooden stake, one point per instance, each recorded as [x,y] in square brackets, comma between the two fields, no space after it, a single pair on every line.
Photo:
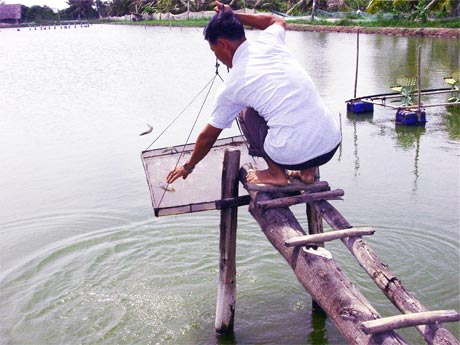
[226,293]
[357,63]
[315,227]
[419,83]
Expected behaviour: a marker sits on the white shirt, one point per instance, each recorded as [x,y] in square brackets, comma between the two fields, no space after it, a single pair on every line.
[266,76]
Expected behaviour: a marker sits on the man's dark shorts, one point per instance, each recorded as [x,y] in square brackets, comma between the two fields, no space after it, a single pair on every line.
[255,130]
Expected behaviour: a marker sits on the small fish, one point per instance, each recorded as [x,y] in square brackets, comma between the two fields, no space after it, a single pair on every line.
[167,186]
[170,149]
[148,130]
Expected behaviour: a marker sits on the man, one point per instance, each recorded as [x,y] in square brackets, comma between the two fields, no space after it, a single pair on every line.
[280,111]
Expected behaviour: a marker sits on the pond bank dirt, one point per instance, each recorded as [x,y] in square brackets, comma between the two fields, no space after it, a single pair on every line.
[431,32]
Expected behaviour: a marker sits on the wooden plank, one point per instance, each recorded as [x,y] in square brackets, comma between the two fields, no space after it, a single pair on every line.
[300,199]
[328,236]
[226,293]
[232,202]
[294,186]
[409,320]
[390,285]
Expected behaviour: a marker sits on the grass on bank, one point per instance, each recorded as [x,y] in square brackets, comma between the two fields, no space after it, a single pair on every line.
[445,23]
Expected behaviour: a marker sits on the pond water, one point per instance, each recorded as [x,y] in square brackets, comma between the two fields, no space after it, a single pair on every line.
[84,260]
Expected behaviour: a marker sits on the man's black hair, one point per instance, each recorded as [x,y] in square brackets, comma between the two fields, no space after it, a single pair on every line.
[223,25]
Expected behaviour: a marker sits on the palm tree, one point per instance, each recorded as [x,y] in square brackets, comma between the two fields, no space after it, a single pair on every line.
[448,6]
[81,8]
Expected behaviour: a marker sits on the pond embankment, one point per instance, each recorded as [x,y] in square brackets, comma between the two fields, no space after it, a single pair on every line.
[397,31]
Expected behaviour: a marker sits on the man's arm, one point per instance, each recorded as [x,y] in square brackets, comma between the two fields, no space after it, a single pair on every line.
[206,139]
[259,21]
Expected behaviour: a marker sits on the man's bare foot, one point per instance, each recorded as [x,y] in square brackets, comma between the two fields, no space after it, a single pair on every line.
[267,177]
[306,176]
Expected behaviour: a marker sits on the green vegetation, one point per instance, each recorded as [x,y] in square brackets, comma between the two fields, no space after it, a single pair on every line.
[434,23]
[406,13]
[450,23]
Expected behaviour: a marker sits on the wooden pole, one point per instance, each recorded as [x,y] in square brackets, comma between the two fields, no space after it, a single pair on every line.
[390,285]
[313,9]
[327,236]
[315,226]
[226,293]
[419,83]
[315,222]
[409,320]
[357,64]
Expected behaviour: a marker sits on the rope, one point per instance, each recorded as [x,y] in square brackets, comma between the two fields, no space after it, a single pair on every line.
[180,114]
[210,83]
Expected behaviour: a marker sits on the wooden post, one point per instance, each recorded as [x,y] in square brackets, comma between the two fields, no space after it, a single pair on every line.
[357,63]
[315,221]
[315,226]
[419,84]
[226,294]
[313,8]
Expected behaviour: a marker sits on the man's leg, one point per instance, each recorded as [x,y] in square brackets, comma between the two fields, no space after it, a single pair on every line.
[305,175]
[255,130]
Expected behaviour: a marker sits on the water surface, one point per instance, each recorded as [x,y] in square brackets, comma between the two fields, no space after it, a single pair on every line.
[83,259]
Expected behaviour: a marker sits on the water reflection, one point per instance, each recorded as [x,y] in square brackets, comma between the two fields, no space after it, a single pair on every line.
[226,339]
[401,56]
[451,121]
[318,334]
[354,119]
[408,138]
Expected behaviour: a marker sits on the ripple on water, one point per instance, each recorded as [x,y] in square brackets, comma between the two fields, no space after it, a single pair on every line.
[124,283]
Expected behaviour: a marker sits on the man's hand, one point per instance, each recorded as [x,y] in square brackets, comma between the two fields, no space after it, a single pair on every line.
[174,174]
[206,139]
[222,7]
[259,21]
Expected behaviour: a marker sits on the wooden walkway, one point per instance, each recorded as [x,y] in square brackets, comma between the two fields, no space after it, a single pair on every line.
[315,267]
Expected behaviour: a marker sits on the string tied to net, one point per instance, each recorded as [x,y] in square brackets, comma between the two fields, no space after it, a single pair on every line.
[207,88]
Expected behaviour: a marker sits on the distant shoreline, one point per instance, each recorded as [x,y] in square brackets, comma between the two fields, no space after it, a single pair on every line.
[395,31]
[392,31]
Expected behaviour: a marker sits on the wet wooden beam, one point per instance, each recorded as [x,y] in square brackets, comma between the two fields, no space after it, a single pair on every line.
[328,236]
[232,202]
[293,186]
[300,199]
[409,320]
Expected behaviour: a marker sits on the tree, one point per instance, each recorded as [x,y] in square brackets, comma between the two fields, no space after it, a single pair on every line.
[119,8]
[102,8]
[82,9]
[38,14]
[445,6]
